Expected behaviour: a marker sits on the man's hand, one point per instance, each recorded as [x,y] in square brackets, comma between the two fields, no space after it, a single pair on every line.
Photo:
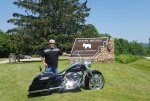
[43,60]
[45,64]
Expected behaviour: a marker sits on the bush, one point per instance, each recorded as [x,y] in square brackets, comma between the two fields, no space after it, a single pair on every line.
[124,58]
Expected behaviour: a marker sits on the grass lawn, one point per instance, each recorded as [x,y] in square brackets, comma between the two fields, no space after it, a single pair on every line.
[123,82]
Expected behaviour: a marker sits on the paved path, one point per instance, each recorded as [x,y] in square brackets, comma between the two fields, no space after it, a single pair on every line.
[147,57]
[4,61]
[32,59]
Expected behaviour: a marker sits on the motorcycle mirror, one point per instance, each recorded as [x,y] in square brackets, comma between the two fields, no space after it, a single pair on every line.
[40,68]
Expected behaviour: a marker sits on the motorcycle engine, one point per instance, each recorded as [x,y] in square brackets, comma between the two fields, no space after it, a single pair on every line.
[72,80]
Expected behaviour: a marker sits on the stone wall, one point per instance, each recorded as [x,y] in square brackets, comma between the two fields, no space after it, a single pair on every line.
[105,54]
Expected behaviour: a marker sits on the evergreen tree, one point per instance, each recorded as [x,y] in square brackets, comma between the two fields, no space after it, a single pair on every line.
[46,17]
[89,31]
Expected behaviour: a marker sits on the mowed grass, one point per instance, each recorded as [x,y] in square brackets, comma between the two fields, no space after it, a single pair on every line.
[123,82]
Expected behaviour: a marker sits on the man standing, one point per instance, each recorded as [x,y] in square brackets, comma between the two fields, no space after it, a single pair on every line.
[50,56]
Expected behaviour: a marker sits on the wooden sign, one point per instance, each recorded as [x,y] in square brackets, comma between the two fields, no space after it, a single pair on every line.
[88,47]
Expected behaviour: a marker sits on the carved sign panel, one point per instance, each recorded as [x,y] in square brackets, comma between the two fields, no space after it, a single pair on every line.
[88,47]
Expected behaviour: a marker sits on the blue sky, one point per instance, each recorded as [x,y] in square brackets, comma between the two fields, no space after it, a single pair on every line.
[128,19]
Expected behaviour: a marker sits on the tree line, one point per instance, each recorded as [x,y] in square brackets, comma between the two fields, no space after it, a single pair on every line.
[62,20]
[26,45]
[123,46]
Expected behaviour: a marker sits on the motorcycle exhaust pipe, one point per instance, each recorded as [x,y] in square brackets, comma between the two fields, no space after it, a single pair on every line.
[44,90]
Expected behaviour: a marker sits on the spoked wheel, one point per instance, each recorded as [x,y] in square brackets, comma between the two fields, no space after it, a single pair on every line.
[96,81]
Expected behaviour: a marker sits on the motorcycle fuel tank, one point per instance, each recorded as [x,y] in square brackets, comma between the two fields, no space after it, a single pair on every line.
[76,68]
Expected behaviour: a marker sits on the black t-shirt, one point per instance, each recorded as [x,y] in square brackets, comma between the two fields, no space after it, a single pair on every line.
[51,56]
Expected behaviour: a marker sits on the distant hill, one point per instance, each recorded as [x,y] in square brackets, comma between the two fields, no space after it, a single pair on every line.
[145,44]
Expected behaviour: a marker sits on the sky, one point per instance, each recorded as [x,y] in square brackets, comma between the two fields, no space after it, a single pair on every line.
[128,19]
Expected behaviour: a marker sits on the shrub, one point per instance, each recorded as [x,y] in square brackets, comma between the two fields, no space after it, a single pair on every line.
[124,58]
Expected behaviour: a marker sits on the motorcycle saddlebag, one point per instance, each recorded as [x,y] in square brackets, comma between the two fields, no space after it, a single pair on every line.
[42,81]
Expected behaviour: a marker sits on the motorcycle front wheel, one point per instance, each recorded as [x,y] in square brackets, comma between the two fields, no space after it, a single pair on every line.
[96,81]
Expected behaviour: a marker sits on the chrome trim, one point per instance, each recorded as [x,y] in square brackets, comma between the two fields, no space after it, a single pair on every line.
[43,90]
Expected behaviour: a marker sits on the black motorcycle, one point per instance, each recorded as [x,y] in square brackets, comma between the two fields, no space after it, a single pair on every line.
[72,78]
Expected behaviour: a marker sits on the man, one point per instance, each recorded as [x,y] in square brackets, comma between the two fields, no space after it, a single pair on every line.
[50,56]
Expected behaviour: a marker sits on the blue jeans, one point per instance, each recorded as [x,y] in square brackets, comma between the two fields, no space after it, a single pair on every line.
[51,69]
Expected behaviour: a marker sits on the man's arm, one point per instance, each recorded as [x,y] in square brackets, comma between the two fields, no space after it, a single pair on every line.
[43,60]
[60,51]
[42,54]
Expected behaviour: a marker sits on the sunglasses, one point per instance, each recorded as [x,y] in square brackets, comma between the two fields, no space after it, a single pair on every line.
[51,43]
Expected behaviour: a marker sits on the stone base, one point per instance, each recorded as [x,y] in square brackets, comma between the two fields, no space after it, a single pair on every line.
[102,59]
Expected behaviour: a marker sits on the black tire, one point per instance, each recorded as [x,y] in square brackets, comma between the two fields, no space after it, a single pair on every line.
[95,82]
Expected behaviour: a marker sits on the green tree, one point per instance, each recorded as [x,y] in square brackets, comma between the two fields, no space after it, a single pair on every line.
[4,46]
[89,31]
[121,46]
[136,48]
[105,35]
[147,51]
[46,17]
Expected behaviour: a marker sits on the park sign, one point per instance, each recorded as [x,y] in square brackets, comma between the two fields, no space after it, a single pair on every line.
[96,49]
[88,47]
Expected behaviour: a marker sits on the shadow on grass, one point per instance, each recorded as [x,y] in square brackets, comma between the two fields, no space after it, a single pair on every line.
[52,93]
